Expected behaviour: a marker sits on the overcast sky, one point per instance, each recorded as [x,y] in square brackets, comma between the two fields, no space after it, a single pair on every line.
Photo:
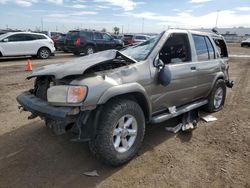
[157,15]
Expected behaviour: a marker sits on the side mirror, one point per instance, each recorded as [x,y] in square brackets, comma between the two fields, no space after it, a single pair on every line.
[164,76]
[5,40]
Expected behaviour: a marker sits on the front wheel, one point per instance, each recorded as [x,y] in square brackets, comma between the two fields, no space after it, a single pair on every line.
[217,97]
[120,133]
[44,53]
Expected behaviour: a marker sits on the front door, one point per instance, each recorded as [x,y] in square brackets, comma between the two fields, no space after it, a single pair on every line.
[176,55]
[109,42]
[13,45]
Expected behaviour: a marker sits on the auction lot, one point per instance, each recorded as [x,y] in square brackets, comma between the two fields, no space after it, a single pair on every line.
[213,155]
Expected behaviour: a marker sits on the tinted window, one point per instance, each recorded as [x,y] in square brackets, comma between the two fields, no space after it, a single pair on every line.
[86,35]
[106,37]
[210,48]
[17,38]
[141,38]
[176,49]
[98,36]
[37,37]
[201,47]
[72,35]
[29,37]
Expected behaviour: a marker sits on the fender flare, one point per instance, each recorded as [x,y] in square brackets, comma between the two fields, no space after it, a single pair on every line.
[218,76]
[123,89]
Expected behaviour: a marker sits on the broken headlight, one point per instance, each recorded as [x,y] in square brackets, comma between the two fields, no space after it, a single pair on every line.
[66,94]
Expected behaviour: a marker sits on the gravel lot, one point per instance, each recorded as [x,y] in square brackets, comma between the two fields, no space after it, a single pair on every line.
[215,154]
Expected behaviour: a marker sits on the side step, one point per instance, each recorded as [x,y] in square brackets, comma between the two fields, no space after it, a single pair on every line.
[180,110]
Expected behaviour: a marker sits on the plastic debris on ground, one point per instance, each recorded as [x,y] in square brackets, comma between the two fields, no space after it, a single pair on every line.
[91,174]
[208,118]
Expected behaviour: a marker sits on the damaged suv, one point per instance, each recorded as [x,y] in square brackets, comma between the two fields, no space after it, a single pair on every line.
[108,97]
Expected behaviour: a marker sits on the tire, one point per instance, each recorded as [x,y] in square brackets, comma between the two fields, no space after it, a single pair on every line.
[89,50]
[217,97]
[118,47]
[43,53]
[109,143]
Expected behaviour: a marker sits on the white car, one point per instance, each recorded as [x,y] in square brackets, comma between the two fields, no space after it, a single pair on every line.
[26,43]
[140,38]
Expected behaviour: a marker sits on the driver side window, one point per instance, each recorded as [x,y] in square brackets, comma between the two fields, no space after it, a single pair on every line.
[106,37]
[176,49]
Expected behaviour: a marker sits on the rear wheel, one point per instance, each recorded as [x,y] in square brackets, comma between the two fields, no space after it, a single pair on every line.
[120,134]
[44,53]
[89,50]
[217,97]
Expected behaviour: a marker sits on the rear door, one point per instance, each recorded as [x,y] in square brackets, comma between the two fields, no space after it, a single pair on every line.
[30,44]
[207,65]
[98,38]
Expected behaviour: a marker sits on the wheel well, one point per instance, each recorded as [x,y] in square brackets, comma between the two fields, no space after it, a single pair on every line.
[1,54]
[43,47]
[138,98]
[90,45]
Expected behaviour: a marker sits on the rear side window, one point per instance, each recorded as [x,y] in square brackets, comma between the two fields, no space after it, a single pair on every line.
[38,37]
[86,35]
[221,47]
[210,48]
[29,37]
[201,47]
[98,36]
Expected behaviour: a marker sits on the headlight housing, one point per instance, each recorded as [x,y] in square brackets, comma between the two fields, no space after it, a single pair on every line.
[65,94]
[76,94]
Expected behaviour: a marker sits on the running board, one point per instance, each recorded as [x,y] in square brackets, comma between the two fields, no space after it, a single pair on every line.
[180,110]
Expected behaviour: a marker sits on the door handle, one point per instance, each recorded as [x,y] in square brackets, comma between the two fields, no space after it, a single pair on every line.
[193,68]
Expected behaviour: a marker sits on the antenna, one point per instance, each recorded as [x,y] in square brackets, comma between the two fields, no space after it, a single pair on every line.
[217,17]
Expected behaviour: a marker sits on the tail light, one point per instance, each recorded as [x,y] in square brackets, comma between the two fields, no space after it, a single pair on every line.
[130,41]
[78,41]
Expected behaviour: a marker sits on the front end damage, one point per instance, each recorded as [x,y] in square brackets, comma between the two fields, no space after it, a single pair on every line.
[49,97]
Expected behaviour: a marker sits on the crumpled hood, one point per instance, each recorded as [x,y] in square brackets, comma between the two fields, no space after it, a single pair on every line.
[75,67]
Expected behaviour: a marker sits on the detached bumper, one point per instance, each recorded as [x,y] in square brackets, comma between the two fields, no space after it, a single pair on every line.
[42,108]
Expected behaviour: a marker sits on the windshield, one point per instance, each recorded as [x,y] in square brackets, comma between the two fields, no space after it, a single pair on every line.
[142,50]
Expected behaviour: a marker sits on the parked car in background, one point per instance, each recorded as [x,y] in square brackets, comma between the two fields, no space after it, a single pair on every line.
[245,43]
[59,42]
[127,39]
[117,36]
[89,42]
[140,38]
[26,43]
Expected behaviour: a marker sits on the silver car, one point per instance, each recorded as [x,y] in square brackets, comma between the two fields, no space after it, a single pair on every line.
[108,97]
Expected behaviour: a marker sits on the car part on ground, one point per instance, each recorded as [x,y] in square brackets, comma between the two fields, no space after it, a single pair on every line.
[113,94]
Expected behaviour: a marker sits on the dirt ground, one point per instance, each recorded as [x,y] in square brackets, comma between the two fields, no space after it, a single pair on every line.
[215,154]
